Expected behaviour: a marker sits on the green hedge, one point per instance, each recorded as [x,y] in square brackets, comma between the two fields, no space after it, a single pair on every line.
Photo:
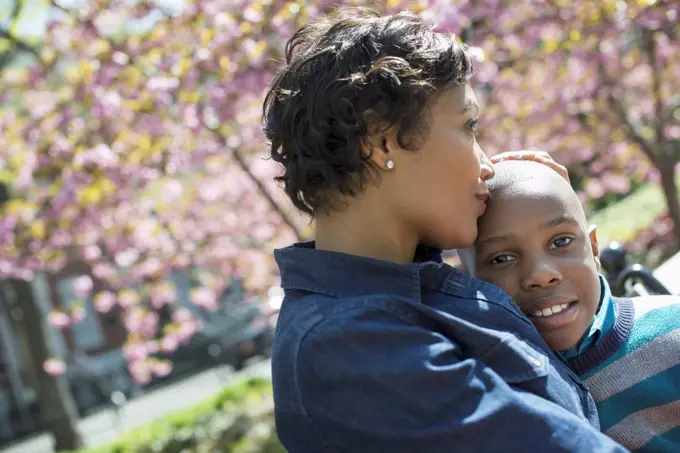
[621,221]
[238,420]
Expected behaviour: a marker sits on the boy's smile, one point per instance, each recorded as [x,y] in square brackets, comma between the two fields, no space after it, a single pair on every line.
[552,311]
[533,243]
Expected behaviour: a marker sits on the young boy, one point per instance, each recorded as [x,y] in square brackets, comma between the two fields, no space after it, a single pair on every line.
[534,244]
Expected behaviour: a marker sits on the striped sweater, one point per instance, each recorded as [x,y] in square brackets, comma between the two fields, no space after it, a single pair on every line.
[633,373]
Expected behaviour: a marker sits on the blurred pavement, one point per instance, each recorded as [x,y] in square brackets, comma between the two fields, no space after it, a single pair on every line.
[668,274]
[104,427]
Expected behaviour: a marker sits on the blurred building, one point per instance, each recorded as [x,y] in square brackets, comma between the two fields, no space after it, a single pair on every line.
[92,348]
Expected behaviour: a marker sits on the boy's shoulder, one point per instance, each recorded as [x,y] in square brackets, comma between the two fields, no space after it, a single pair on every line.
[651,305]
[646,327]
[656,319]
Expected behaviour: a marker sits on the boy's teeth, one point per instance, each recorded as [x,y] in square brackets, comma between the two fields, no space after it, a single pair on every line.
[550,310]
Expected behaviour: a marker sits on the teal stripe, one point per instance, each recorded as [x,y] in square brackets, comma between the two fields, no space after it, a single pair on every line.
[655,391]
[654,324]
[654,344]
[668,441]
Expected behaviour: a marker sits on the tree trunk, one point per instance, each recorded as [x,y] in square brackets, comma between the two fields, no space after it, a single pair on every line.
[670,192]
[57,407]
[263,190]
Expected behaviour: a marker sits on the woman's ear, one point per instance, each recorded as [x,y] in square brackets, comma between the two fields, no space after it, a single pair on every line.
[378,142]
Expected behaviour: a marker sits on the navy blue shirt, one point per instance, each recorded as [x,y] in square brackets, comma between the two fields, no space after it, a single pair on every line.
[378,357]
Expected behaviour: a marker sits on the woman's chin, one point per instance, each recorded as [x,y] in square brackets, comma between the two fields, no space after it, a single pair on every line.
[455,236]
[462,240]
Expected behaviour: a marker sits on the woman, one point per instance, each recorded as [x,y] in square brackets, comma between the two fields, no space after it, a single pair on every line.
[380,347]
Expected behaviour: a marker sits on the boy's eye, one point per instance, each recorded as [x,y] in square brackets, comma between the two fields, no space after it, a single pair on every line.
[560,243]
[502,259]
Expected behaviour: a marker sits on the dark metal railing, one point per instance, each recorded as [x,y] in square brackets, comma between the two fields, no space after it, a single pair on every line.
[626,280]
[637,274]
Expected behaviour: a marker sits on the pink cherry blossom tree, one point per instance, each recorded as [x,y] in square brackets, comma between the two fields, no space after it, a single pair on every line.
[595,83]
[132,143]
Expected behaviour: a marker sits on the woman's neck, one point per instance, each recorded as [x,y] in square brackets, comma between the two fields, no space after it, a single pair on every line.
[365,232]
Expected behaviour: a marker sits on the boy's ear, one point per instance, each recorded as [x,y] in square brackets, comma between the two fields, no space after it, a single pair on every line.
[592,234]
[594,245]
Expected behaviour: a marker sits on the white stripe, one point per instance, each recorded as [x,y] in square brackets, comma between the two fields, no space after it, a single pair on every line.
[657,355]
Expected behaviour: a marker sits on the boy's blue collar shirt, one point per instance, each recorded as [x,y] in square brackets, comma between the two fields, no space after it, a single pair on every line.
[602,323]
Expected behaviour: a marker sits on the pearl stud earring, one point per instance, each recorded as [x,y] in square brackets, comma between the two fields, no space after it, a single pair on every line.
[389,164]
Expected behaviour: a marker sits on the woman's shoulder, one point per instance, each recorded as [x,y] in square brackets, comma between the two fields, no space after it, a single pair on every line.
[314,328]
[315,311]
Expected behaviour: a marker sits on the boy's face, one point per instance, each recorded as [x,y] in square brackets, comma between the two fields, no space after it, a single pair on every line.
[533,243]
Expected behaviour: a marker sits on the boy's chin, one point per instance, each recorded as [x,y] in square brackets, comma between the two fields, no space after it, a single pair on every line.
[561,341]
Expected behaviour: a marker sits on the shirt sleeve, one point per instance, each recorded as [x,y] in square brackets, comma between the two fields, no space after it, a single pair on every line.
[373,383]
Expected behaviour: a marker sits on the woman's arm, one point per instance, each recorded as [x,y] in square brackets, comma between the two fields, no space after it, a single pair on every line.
[372,383]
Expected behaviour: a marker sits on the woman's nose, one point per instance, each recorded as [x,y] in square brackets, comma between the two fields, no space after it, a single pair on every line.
[487,171]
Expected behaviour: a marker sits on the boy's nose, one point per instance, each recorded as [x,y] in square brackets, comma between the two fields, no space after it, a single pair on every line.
[542,275]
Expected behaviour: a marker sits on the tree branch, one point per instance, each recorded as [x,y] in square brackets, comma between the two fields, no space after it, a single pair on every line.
[667,113]
[649,46]
[263,190]
[16,10]
[634,129]
[19,44]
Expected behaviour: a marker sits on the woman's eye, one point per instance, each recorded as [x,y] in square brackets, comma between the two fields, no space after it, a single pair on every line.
[502,259]
[472,125]
[561,243]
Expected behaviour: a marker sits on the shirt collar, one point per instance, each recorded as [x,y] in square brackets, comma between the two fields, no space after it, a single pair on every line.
[602,322]
[303,267]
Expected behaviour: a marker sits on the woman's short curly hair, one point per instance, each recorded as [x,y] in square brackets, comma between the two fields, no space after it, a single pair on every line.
[345,75]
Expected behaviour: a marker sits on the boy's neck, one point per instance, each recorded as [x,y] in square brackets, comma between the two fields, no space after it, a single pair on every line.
[602,292]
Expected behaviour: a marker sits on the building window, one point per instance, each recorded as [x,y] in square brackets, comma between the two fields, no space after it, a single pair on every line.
[87,334]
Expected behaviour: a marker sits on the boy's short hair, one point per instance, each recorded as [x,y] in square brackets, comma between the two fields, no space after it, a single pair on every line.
[345,75]
[511,172]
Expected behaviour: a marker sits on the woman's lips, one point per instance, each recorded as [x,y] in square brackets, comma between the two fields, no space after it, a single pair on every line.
[483,198]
